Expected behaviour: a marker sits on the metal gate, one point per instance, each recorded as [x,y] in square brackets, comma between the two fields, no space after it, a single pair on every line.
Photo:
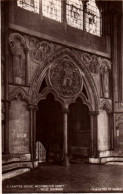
[40,152]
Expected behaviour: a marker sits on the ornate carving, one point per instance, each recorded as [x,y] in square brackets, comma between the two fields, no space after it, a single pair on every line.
[73,57]
[106,105]
[91,62]
[18,48]
[65,78]
[105,68]
[119,119]
[40,50]
[43,49]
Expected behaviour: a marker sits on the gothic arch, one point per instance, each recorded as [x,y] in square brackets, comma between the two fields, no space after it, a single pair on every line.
[44,94]
[19,91]
[84,100]
[71,55]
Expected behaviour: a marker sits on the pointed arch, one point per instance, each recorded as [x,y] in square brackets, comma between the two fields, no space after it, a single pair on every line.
[19,91]
[72,56]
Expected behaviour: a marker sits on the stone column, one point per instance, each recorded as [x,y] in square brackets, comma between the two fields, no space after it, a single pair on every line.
[111,130]
[27,69]
[34,132]
[6,58]
[94,145]
[6,132]
[65,131]
[31,131]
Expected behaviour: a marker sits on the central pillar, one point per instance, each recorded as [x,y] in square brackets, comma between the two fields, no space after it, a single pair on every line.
[65,131]
[94,140]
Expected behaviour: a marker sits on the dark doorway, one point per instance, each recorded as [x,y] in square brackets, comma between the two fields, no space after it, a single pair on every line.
[79,139]
[49,127]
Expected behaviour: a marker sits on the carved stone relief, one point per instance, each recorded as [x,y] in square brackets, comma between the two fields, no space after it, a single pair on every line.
[118,119]
[105,68]
[39,50]
[91,62]
[18,51]
[65,78]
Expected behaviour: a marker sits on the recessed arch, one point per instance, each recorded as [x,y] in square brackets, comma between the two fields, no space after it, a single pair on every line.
[19,91]
[72,56]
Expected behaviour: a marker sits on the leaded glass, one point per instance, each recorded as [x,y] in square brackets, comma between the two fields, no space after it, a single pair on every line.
[74,13]
[93,20]
[52,9]
[30,5]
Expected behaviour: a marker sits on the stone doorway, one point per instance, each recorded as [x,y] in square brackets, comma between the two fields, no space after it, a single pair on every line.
[79,130]
[49,128]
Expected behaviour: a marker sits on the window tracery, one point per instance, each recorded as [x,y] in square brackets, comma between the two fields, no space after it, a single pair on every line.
[80,14]
[92,18]
[52,9]
[30,5]
[74,13]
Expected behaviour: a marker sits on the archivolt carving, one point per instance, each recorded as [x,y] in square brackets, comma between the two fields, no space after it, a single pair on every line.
[36,82]
[19,91]
[105,105]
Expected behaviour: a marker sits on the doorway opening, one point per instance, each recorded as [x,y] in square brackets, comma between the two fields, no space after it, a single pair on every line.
[49,129]
[79,133]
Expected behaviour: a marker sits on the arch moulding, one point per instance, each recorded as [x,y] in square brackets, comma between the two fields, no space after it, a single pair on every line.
[71,56]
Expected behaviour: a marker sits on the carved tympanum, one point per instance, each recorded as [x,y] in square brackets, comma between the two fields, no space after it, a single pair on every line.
[65,78]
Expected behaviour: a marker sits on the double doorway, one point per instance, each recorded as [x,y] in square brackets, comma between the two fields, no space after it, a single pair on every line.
[49,130]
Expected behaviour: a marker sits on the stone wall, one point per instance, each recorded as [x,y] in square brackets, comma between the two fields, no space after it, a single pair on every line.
[19,126]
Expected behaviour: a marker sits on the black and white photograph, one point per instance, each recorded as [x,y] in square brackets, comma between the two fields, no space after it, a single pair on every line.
[61,96]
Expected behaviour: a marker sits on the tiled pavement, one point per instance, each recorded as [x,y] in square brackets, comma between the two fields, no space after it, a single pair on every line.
[75,178]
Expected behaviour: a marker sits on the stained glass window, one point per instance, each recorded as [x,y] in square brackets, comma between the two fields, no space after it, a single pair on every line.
[30,5]
[74,13]
[92,18]
[52,9]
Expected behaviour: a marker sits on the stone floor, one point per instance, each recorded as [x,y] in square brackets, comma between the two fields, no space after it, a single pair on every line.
[75,178]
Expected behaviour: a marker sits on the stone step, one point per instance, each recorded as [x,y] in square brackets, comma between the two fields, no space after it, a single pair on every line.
[15,165]
[110,153]
[111,159]
[115,163]
[14,173]
[15,157]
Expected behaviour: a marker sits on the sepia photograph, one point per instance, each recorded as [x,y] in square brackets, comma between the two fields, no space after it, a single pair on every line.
[61,96]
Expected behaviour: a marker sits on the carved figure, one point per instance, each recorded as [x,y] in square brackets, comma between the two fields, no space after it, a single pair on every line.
[18,61]
[104,79]
[106,82]
[65,78]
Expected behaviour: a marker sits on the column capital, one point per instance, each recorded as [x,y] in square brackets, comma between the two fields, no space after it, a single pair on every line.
[93,112]
[32,107]
[65,110]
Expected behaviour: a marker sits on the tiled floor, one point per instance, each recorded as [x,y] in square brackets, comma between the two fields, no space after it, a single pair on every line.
[76,178]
